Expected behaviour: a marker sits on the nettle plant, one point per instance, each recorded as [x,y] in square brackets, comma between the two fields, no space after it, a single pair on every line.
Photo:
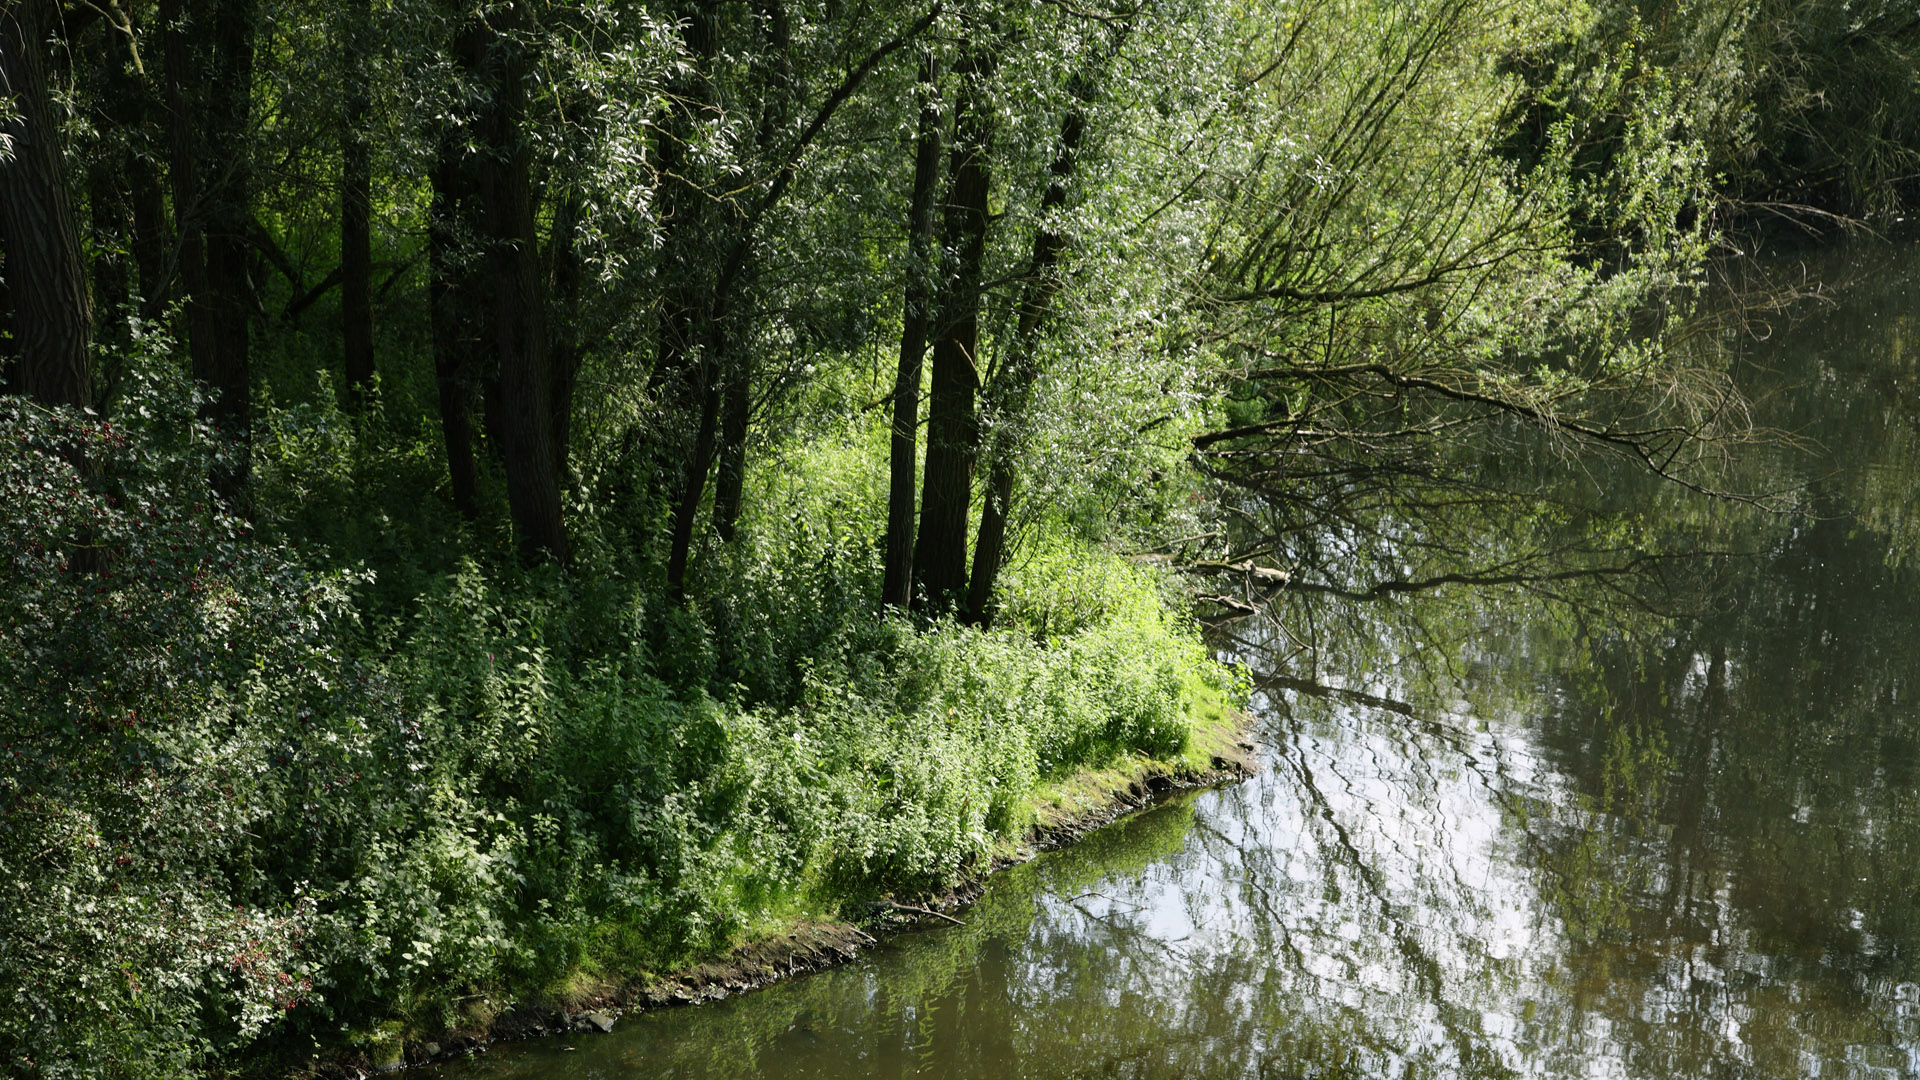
[166,685]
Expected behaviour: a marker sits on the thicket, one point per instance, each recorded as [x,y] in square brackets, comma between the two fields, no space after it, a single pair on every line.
[1805,110]
[245,794]
[505,498]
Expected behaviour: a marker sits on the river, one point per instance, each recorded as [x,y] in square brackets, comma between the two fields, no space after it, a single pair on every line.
[1573,845]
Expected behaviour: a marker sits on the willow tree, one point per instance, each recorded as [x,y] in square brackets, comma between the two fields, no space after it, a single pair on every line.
[732,140]
[1395,298]
[916,314]
[946,491]
[530,128]
[1017,92]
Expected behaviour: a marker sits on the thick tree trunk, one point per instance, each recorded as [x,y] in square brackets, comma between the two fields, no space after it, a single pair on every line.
[450,292]
[52,315]
[210,92]
[518,314]
[896,588]
[940,550]
[356,235]
[1012,388]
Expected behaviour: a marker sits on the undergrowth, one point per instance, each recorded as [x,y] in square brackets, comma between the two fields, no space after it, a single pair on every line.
[263,801]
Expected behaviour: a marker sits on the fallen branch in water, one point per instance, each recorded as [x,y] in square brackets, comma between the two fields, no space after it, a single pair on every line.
[917,910]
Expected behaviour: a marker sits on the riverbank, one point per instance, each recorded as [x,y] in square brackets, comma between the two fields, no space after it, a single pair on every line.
[1220,750]
[294,808]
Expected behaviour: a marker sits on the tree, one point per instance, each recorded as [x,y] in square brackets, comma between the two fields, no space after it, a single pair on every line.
[46,279]
[127,228]
[696,388]
[454,310]
[916,313]
[1010,388]
[356,204]
[946,490]
[209,67]
[1369,374]
[517,304]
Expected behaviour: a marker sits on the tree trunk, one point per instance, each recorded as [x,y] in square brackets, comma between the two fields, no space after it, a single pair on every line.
[185,59]
[896,588]
[111,220]
[356,236]
[940,551]
[210,93]
[684,373]
[229,255]
[450,292]
[776,97]
[569,345]
[152,242]
[125,204]
[109,203]
[685,261]
[1012,388]
[519,314]
[52,315]
[990,545]
[9,343]
[693,478]
[736,414]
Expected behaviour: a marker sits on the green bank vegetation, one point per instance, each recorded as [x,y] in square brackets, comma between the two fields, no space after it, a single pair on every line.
[505,496]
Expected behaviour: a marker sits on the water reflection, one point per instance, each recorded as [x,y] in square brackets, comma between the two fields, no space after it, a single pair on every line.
[1574,845]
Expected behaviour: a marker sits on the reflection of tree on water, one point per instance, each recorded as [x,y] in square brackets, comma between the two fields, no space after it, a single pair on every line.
[1729,847]
[1460,1025]
[1731,854]
[1789,866]
[1788,875]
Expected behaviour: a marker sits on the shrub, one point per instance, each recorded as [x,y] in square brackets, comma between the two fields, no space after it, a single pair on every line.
[171,703]
[247,803]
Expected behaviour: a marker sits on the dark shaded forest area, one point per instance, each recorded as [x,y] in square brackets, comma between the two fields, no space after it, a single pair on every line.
[502,500]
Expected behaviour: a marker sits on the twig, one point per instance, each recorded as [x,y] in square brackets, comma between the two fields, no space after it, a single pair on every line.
[918,910]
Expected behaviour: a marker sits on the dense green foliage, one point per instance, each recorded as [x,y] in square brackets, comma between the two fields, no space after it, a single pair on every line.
[237,788]
[446,553]
[1804,110]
